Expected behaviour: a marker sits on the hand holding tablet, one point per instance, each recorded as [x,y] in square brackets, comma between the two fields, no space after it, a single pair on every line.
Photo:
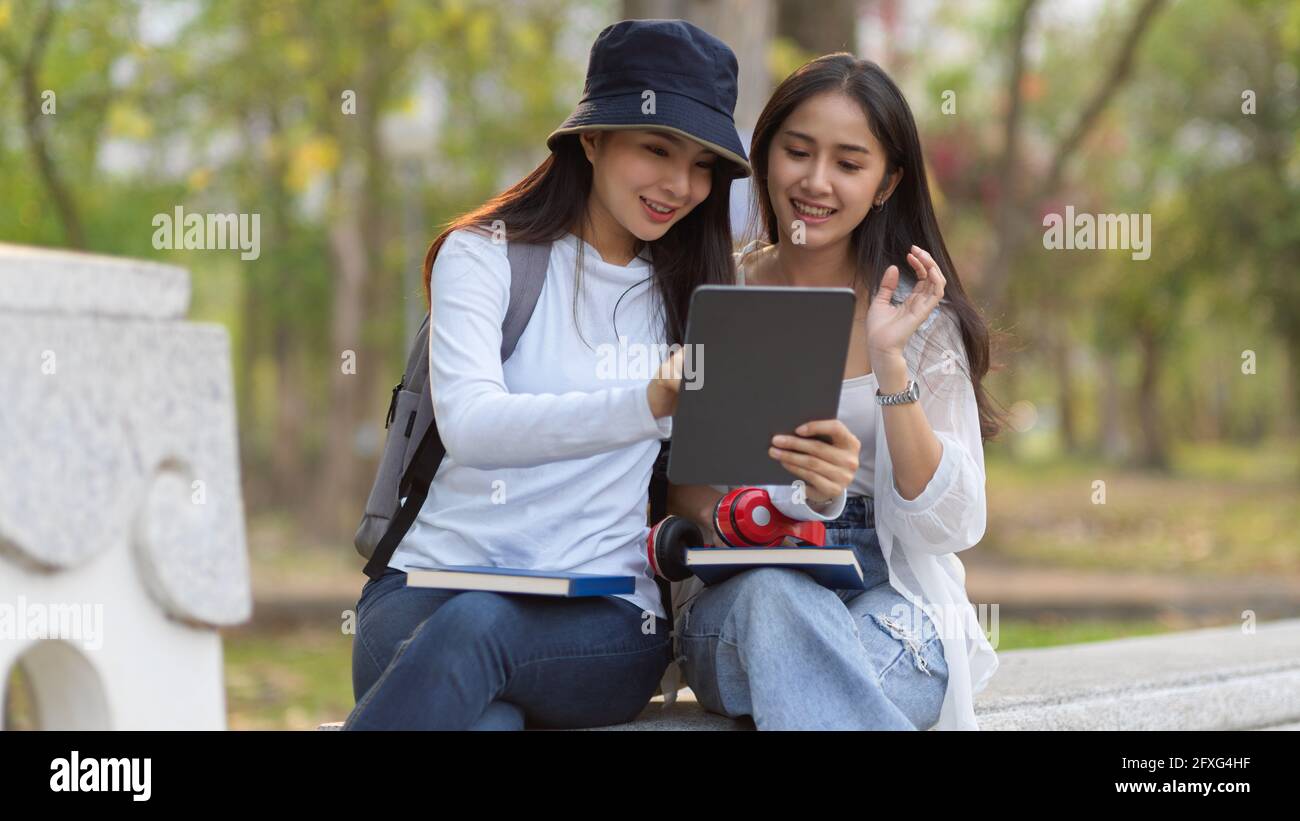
[664,389]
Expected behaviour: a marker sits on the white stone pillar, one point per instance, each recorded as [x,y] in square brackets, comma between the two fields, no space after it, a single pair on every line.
[122,546]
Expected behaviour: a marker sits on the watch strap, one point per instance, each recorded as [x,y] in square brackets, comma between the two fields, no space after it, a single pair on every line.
[909,394]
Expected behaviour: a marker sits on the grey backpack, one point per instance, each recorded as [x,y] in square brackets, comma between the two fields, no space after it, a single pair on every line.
[413,450]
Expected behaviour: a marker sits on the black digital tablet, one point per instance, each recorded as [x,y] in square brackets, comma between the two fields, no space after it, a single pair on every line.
[760,361]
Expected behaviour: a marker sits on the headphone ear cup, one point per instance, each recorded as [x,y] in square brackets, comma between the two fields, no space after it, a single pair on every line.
[668,542]
[725,520]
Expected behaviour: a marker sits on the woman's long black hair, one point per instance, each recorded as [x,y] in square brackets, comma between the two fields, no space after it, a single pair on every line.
[907,218]
[552,200]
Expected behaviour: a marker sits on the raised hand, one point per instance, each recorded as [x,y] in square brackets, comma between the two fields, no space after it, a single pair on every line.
[890,326]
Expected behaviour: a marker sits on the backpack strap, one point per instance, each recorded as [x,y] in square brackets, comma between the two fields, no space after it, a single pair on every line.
[428,456]
[528,265]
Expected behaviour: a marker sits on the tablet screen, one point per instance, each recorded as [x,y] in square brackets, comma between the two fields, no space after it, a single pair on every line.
[759,361]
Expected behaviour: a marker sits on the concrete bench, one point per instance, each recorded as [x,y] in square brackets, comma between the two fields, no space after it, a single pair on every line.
[1213,679]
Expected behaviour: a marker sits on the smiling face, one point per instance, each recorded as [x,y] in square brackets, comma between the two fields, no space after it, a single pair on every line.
[826,168]
[646,181]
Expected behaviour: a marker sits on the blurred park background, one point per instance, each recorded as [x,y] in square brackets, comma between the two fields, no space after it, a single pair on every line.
[1172,381]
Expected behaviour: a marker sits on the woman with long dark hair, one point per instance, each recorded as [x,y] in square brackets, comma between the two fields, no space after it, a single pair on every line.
[844,202]
[547,458]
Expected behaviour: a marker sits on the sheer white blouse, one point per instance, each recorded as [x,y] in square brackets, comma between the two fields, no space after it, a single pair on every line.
[920,537]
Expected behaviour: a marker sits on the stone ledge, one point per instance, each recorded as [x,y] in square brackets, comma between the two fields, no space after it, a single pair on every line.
[1212,679]
[47,281]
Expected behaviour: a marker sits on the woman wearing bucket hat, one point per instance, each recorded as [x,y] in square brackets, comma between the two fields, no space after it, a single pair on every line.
[633,202]
[838,164]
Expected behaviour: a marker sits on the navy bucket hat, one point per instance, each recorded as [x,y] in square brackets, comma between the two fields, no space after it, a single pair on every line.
[692,77]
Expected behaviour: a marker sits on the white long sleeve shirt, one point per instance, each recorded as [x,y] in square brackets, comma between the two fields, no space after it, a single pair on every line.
[920,537]
[549,455]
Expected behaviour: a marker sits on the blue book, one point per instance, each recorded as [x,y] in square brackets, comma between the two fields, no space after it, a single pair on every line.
[833,567]
[511,580]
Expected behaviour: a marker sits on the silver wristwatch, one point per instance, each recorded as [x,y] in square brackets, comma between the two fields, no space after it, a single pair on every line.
[909,394]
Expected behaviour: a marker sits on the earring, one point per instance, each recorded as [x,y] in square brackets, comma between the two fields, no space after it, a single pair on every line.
[880,204]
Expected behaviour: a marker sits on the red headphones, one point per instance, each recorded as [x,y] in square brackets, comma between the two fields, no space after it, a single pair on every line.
[666,547]
[745,517]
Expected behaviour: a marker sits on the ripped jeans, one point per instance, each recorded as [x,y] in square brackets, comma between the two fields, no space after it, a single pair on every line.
[773,644]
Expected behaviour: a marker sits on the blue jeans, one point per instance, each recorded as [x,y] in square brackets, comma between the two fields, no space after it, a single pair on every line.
[773,644]
[454,660]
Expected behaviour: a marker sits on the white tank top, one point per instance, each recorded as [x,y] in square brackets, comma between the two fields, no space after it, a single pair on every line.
[858,411]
